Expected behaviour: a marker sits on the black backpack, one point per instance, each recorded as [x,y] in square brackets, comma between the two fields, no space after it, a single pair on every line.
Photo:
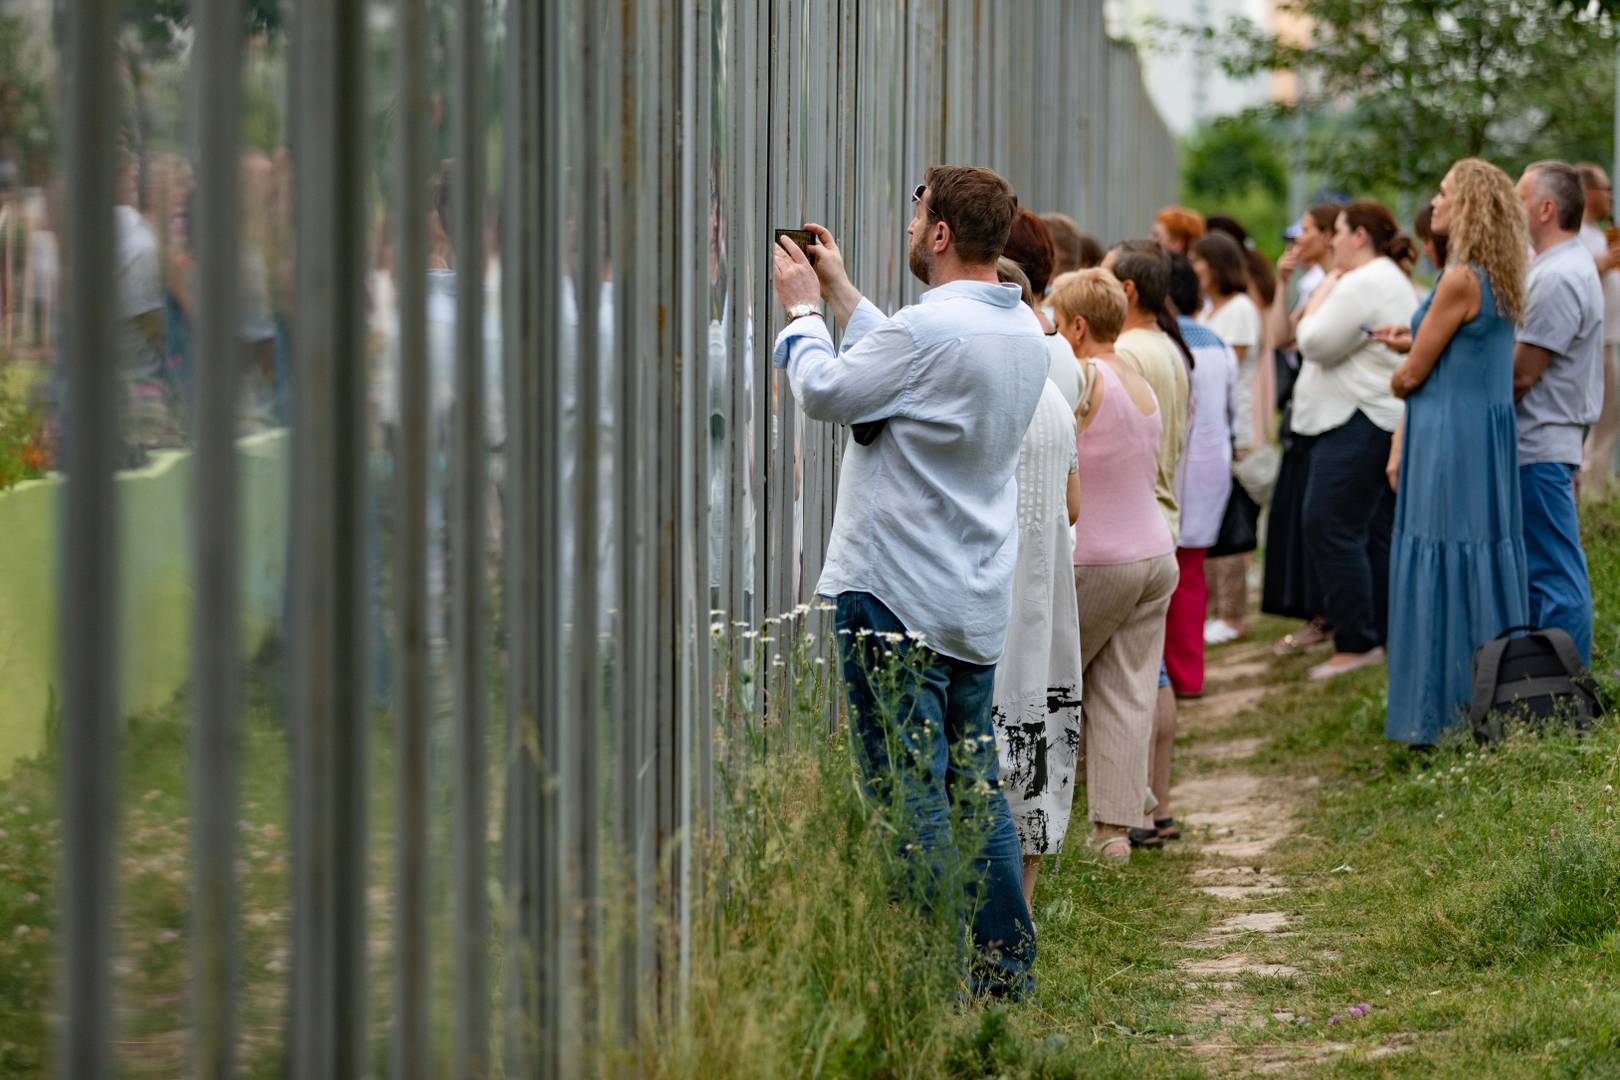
[1535,677]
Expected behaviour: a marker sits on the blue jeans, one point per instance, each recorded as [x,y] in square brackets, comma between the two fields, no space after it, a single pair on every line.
[1560,591]
[942,716]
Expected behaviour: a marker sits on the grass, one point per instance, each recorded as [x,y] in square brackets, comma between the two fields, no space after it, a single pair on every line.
[1471,897]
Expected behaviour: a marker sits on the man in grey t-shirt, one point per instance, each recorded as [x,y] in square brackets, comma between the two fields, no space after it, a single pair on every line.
[1558,383]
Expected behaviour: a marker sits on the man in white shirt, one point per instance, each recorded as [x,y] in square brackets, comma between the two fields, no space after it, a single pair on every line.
[1597,469]
[925,535]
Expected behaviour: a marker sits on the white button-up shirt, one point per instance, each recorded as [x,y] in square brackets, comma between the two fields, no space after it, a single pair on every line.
[927,517]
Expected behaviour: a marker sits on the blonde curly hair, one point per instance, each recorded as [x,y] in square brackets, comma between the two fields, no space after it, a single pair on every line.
[1488,227]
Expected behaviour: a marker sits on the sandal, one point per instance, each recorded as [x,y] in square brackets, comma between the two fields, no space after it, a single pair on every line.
[1113,848]
[1329,670]
[1144,837]
[1310,636]
[1166,828]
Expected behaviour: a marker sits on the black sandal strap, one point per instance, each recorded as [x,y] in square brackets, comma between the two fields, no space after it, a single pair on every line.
[1144,838]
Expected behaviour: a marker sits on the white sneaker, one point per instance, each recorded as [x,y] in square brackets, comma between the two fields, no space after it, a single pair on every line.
[1219,632]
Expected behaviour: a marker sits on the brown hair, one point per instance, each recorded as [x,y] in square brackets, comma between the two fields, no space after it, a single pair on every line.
[1382,231]
[1029,244]
[1325,215]
[1183,225]
[977,204]
[1262,278]
[1096,296]
[1592,175]
[1424,227]
[1066,243]
[1225,259]
[1147,266]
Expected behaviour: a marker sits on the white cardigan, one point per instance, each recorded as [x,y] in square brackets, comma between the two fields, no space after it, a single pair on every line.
[1344,370]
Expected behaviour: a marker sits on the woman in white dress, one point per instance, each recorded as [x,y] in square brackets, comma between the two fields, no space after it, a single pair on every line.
[1036,709]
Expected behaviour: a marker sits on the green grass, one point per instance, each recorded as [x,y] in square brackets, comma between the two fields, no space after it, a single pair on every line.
[1472,897]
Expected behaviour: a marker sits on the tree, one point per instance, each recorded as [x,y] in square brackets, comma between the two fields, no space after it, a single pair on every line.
[1232,156]
[1409,86]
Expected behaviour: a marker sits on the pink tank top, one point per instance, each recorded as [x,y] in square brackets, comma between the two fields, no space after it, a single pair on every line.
[1120,520]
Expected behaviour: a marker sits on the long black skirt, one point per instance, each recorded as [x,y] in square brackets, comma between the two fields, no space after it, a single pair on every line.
[1290,588]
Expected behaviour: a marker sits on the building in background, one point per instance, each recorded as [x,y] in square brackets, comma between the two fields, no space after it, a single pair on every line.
[1188,86]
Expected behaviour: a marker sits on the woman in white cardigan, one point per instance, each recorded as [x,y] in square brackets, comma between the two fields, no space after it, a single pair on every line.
[1343,403]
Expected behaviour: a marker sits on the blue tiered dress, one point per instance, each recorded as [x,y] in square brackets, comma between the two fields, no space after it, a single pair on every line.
[1457,566]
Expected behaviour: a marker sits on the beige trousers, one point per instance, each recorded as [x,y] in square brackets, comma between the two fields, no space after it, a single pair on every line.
[1597,471]
[1122,610]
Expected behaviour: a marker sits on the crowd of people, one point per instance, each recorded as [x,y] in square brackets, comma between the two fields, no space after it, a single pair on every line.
[1145,416]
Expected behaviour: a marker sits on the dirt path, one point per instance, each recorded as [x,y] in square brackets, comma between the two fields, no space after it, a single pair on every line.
[1234,818]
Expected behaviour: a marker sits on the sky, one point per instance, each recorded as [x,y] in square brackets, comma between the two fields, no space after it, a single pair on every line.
[1189,90]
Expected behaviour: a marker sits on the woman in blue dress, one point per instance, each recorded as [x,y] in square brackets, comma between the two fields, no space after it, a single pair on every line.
[1457,564]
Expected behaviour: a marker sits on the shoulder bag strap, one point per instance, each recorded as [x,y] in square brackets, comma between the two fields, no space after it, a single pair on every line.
[1487,662]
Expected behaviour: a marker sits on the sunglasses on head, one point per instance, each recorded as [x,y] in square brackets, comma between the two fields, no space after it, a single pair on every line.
[917,194]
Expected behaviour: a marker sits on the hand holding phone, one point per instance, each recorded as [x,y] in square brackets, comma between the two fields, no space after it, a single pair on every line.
[802,237]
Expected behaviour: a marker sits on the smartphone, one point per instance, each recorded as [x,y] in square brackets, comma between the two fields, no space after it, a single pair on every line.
[803,237]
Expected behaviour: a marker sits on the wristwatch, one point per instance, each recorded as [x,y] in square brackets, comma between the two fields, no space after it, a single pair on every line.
[799,311]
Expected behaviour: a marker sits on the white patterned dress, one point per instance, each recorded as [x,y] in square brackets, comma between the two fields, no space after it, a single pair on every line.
[1036,710]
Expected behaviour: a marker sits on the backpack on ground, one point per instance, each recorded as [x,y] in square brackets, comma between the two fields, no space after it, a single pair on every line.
[1536,678]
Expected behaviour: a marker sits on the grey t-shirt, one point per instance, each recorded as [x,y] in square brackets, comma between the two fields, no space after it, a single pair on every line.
[1564,315]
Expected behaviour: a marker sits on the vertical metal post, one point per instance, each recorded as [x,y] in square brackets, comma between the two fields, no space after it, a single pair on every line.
[216,650]
[88,639]
[328,633]
[534,147]
[584,923]
[411,1034]
[638,278]
[1616,170]
[470,940]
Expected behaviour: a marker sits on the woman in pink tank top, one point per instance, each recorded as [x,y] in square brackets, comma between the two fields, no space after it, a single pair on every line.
[1124,559]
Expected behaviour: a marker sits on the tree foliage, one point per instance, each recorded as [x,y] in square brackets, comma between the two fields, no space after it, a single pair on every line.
[1232,156]
[158,23]
[1406,87]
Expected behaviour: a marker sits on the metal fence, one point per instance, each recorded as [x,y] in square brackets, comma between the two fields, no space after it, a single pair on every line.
[621,464]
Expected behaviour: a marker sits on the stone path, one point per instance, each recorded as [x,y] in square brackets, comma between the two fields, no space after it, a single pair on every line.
[1234,818]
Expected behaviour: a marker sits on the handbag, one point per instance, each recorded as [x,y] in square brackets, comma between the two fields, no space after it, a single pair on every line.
[1257,472]
[1239,526]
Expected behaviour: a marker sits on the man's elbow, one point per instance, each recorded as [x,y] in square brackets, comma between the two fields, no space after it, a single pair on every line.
[819,402]
[1522,382]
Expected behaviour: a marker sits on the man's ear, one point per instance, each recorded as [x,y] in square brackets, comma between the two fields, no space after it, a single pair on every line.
[1130,291]
[942,237]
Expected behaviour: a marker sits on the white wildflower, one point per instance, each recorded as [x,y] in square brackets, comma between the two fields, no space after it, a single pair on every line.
[844,632]
[717,613]
[917,635]
[864,632]
[717,629]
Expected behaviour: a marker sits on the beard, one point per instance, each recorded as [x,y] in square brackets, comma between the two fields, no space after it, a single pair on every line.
[921,264]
